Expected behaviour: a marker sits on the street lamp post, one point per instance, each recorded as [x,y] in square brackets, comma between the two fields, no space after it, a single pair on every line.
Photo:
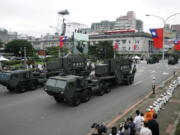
[164,23]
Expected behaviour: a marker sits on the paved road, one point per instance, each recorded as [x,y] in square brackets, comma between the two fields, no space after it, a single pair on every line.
[35,112]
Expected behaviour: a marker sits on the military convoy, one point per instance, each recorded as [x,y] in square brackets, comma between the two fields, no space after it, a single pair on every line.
[21,80]
[75,89]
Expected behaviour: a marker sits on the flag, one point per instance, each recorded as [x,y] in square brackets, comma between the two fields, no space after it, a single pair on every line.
[115,45]
[177,44]
[61,40]
[157,36]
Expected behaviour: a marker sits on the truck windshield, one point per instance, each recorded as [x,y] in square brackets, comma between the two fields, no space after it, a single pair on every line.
[56,83]
[51,82]
[61,84]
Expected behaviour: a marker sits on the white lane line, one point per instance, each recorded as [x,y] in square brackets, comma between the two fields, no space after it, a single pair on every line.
[165,73]
[136,83]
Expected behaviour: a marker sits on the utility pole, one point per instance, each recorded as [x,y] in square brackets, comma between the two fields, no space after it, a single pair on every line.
[25,56]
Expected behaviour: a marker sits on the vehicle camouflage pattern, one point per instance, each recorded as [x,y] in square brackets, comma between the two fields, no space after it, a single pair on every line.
[153,59]
[21,80]
[72,64]
[75,89]
[172,60]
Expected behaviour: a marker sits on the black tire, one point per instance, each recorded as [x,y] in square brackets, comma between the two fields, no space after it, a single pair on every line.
[108,89]
[20,88]
[33,85]
[58,99]
[75,101]
[86,95]
[100,92]
[10,89]
[132,80]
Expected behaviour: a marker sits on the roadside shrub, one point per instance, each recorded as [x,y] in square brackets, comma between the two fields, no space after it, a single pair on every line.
[13,62]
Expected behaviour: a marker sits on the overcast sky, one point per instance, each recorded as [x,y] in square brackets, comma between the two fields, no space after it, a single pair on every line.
[33,17]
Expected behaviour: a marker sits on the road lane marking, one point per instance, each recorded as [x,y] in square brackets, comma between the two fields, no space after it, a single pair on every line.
[165,73]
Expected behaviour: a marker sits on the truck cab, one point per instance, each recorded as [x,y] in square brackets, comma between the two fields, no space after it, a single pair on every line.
[21,80]
[70,88]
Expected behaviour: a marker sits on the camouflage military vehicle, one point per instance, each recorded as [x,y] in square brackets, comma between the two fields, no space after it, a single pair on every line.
[21,80]
[172,60]
[71,88]
[72,64]
[76,89]
[153,59]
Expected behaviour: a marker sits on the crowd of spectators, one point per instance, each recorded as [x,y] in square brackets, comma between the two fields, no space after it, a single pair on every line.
[141,124]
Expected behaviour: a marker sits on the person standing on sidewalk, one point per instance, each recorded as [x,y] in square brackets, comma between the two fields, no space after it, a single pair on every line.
[138,122]
[153,125]
[148,115]
[145,130]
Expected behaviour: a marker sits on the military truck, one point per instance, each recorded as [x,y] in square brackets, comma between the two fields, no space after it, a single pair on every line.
[72,64]
[21,80]
[153,59]
[172,60]
[76,89]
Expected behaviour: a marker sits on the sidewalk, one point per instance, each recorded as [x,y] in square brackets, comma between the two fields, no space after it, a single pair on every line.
[169,114]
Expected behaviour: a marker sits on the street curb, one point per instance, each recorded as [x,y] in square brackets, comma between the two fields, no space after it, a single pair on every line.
[118,117]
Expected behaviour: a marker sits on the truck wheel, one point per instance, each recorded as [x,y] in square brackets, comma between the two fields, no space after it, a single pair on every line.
[86,95]
[10,89]
[20,88]
[108,89]
[32,85]
[131,80]
[58,99]
[100,92]
[75,101]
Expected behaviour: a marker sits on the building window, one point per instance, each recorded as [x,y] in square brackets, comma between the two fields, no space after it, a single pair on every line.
[124,41]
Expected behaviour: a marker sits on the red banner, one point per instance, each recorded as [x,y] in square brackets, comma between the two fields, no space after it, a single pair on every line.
[116,46]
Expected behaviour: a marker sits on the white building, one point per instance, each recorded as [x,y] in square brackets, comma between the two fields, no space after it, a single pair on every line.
[130,42]
[74,27]
[126,22]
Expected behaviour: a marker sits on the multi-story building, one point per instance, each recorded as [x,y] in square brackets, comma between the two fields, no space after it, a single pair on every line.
[129,41]
[176,29]
[74,27]
[126,22]
[3,35]
[12,36]
[122,23]
[102,26]
[139,25]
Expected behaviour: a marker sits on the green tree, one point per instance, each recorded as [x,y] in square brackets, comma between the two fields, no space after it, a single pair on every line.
[54,51]
[18,47]
[101,50]
[1,43]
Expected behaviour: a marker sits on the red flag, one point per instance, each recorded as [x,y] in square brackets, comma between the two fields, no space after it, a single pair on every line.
[177,45]
[61,41]
[116,46]
[157,36]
